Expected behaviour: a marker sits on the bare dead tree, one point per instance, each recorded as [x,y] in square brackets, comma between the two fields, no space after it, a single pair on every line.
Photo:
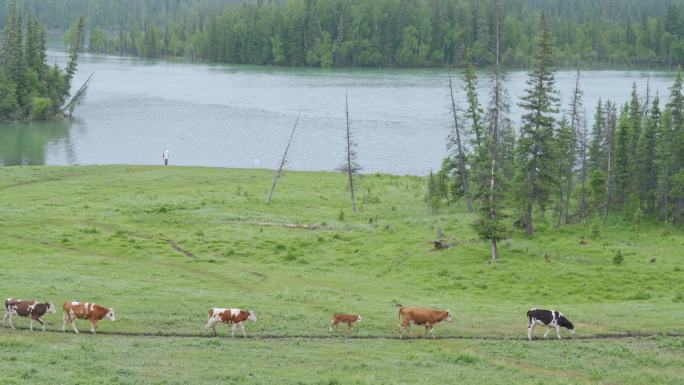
[493,228]
[456,144]
[350,167]
[78,97]
[283,161]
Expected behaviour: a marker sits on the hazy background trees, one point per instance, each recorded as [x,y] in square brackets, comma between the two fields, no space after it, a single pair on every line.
[378,33]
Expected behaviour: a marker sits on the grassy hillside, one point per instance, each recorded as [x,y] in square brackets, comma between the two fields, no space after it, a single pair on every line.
[162,245]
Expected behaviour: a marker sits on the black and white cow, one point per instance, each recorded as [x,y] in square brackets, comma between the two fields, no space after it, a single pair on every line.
[550,318]
[30,309]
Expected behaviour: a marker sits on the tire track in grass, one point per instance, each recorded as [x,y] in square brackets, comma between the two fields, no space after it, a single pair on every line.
[218,276]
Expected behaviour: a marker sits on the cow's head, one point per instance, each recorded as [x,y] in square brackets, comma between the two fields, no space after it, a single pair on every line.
[110,314]
[564,322]
[358,318]
[448,317]
[251,316]
[50,308]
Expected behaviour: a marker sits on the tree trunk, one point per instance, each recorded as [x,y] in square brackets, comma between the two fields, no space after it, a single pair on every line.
[276,179]
[528,219]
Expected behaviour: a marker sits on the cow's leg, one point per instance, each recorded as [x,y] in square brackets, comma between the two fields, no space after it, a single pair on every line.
[432,332]
[427,329]
[73,323]
[408,326]
[530,331]
[232,331]
[42,323]
[332,323]
[65,319]
[558,331]
[93,326]
[10,320]
[548,329]
[211,323]
[31,324]
[350,327]
[242,327]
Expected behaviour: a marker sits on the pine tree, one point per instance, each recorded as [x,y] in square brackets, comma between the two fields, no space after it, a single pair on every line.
[584,169]
[668,157]
[12,54]
[646,172]
[635,120]
[474,111]
[473,114]
[490,225]
[597,149]
[76,48]
[566,149]
[611,125]
[622,157]
[569,141]
[536,176]
[663,163]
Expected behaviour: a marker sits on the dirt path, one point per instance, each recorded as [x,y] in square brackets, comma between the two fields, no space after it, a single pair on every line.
[607,336]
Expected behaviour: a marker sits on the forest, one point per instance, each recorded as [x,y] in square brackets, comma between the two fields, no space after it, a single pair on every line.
[30,89]
[382,33]
[628,161]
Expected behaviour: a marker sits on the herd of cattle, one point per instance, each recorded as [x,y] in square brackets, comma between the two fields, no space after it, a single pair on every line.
[426,317]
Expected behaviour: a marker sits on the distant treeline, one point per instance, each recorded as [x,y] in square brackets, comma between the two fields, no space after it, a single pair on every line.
[379,33]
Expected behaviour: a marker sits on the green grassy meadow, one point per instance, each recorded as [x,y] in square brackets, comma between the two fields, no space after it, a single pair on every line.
[162,245]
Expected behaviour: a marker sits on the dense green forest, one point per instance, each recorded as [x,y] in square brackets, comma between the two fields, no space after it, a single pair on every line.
[380,33]
[29,88]
[629,160]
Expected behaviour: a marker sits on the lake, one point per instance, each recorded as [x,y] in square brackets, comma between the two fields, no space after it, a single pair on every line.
[241,116]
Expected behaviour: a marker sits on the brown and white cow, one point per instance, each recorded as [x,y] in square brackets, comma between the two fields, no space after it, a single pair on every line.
[421,316]
[86,311]
[229,316]
[30,309]
[348,319]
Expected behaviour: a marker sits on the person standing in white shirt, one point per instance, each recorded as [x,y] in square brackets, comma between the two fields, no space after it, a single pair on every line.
[166,156]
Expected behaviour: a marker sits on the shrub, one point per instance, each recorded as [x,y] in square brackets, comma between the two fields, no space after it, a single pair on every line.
[40,108]
[618,259]
[290,256]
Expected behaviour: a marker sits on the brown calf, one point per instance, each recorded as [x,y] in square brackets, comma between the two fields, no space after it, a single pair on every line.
[86,311]
[29,309]
[421,316]
[348,319]
[229,316]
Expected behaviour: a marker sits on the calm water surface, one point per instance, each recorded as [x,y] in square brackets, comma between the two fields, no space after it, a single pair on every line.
[228,116]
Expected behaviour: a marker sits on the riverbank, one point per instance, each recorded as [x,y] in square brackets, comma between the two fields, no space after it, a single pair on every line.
[163,244]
